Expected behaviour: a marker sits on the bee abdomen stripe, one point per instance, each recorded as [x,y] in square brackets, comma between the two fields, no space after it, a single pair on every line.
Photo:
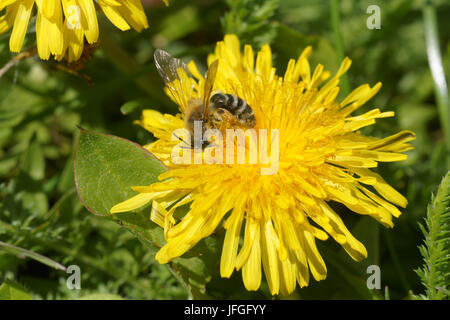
[247,113]
[236,104]
[230,100]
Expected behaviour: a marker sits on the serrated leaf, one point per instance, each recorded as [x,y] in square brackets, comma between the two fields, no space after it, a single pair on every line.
[435,249]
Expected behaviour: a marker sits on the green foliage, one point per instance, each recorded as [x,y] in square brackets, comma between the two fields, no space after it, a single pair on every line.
[11,290]
[251,20]
[41,106]
[435,274]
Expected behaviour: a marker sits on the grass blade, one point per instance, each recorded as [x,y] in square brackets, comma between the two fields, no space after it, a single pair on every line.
[437,70]
[24,253]
[338,42]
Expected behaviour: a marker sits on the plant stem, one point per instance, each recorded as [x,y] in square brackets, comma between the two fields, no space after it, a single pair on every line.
[16,59]
[437,70]
[338,42]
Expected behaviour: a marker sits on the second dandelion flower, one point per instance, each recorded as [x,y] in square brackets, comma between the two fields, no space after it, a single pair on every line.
[62,26]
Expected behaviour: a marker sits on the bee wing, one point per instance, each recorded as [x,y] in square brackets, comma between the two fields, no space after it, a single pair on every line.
[209,84]
[168,68]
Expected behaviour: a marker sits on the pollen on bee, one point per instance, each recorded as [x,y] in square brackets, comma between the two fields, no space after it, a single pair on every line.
[239,147]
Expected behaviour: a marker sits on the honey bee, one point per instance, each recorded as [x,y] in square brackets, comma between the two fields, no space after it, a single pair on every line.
[220,111]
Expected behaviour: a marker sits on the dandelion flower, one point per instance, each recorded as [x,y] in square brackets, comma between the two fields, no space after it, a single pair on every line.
[322,157]
[62,25]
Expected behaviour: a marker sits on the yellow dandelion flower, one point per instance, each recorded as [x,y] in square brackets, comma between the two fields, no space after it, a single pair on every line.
[63,25]
[322,157]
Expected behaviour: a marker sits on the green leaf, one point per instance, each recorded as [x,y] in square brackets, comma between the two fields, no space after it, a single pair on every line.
[131,106]
[197,267]
[34,163]
[106,167]
[11,290]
